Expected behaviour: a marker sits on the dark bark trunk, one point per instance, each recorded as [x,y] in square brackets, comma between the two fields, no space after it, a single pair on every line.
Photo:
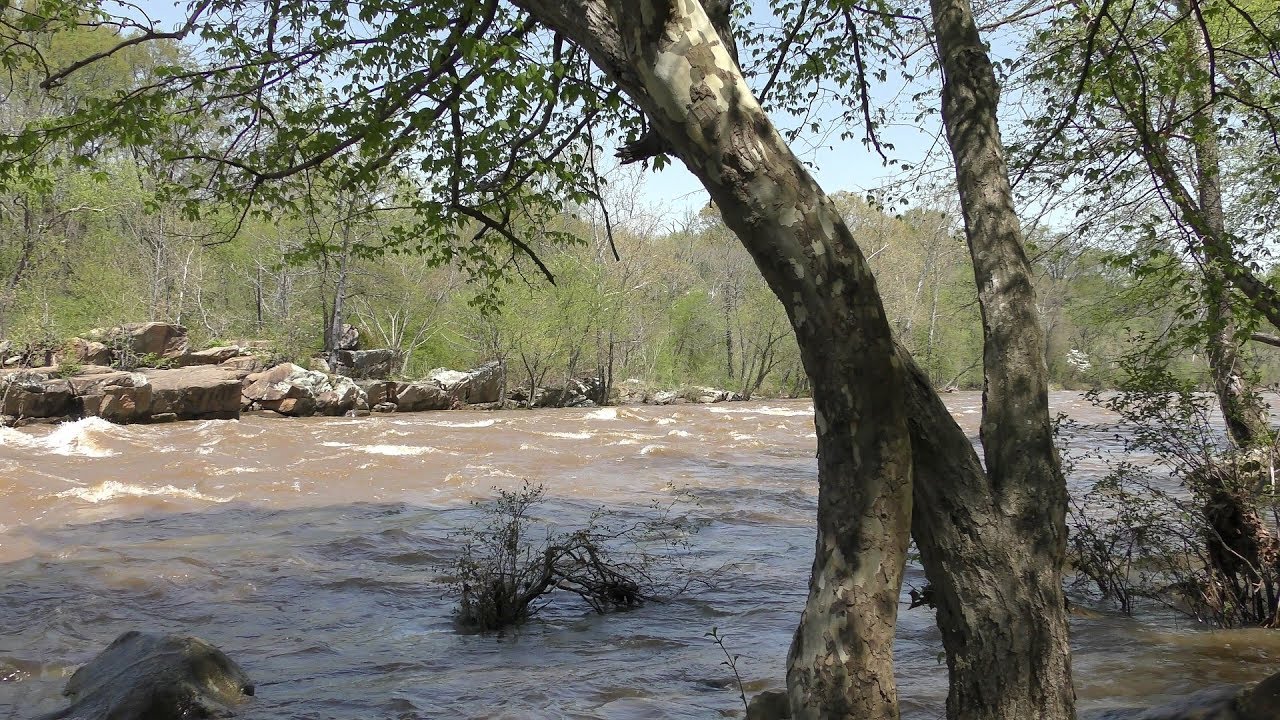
[1023,612]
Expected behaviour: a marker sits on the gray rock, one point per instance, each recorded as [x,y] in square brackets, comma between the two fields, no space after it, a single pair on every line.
[348,339]
[86,352]
[769,705]
[292,390]
[379,391]
[419,396]
[363,364]
[35,395]
[484,384]
[211,356]
[146,676]
[664,397]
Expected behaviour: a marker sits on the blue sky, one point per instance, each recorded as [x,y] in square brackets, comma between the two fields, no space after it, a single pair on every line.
[837,164]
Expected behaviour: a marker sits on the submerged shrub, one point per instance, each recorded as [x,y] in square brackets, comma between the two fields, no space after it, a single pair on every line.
[512,561]
[1194,528]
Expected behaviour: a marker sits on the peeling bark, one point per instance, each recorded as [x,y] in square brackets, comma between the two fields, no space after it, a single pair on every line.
[992,544]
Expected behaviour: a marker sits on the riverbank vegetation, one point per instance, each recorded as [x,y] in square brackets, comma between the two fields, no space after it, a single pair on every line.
[639,292]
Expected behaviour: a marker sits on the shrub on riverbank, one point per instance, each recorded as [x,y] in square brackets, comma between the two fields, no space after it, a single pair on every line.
[1195,528]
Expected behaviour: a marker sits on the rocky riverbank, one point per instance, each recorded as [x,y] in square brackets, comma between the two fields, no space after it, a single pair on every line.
[146,372]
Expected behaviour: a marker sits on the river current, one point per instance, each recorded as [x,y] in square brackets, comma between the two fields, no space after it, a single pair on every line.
[314,552]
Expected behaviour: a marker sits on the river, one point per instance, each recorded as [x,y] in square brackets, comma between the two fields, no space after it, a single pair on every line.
[313,551]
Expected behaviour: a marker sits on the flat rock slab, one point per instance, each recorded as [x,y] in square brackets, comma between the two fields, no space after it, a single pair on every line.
[148,676]
[196,393]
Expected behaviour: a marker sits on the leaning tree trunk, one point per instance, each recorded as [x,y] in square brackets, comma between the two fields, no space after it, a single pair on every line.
[669,58]
[1027,490]
[1241,408]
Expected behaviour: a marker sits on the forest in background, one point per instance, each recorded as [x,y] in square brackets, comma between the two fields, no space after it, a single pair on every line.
[87,245]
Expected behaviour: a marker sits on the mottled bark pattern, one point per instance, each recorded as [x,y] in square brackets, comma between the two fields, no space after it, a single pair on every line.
[1007,642]
[669,57]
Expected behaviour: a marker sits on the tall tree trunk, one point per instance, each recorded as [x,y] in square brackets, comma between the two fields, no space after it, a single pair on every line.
[1245,417]
[669,58]
[994,560]
[1026,486]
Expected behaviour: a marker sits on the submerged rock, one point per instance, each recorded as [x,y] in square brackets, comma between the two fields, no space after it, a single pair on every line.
[769,705]
[1222,702]
[147,676]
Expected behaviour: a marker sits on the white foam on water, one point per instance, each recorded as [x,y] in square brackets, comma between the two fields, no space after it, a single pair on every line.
[679,433]
[473,424]
[650,448]
[602,414]
[112,489]
[666,421]
[743,436]
[780,412]
[335,444]
[567,435]
[237,470]
[77,438]
[396,450]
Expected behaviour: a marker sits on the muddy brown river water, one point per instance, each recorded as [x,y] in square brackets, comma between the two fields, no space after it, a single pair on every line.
[311,551]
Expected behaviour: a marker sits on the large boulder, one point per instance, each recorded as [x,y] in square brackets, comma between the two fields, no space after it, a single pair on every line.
[35,395]
[274,384]
[379,391]
[146,676]
[199,392]
[348,338]
[484,384]
[163,340]
[363,364]
[342,396]
[481,385]
[419,396]
[86,352]
[121,397]
[292,390]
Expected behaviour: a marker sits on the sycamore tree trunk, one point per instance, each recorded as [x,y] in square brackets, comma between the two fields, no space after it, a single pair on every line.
[670,59]
[1021,612]
[992,544]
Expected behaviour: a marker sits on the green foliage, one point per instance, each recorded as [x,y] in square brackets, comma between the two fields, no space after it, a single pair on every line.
[67,368]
